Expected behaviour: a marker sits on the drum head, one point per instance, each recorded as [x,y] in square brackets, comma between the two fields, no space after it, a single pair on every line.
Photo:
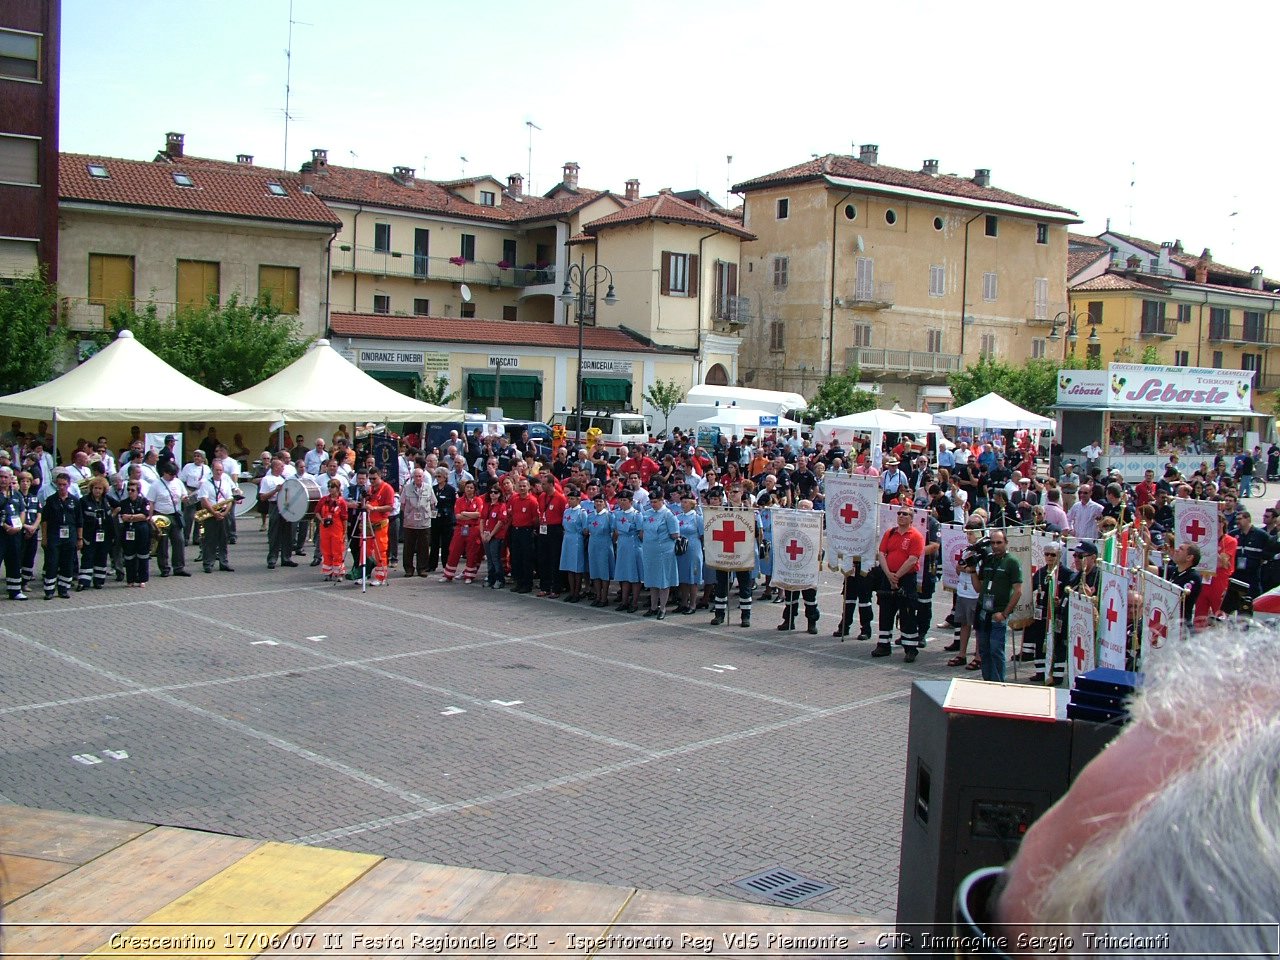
[297,498]
[249,488]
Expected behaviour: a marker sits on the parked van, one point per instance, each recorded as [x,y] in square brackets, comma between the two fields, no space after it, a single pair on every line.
[705,401]
[438,433]
[617,430]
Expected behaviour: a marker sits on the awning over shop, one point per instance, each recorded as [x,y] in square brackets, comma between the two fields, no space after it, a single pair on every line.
[605,390]
[514,386]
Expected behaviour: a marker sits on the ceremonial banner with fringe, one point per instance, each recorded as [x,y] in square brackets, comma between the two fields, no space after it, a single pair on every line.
[953,542]
[1082,629]
[852,517]
[1162,616]
[1196,521]
[797,541]
[1113,613]
[730,539]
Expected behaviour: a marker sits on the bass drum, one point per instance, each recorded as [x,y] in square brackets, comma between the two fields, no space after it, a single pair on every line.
[298,498]
[249,490]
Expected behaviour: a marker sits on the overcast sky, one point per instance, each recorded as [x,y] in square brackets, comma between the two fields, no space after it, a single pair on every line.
[1152,115]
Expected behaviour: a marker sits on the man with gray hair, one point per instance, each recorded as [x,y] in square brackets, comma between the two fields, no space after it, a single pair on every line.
[417,509]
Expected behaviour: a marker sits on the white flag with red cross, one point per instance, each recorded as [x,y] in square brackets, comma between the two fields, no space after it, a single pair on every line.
[1082,632]
[797,542]
[1196,521]
[729,541]
[852,527]
[952,545]
[1113,613]
[1162,614]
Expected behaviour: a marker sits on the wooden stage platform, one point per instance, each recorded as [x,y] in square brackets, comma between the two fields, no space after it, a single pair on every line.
[84,886]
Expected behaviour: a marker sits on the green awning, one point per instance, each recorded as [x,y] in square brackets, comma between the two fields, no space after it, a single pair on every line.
[606,390]
[514,386]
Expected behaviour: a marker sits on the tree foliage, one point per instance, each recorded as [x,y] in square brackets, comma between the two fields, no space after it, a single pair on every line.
[227,348]
[838,396]
[437,392]
[32,338]
[1033,386]
[664,396]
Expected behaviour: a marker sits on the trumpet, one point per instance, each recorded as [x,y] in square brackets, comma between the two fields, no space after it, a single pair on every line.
[203,516]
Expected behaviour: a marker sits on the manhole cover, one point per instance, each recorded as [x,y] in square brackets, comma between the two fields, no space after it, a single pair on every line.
[783,886]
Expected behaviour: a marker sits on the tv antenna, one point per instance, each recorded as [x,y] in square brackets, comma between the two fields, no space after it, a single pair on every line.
[288,80]
[532,127]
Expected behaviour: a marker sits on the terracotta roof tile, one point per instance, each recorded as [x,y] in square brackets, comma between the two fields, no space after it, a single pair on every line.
[235,190]
[835,165]
[1114,281]
[1078,260]
[493,332]
[1084,240]
[671,209]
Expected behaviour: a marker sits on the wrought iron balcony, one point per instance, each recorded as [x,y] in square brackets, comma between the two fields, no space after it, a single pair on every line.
[1158,327]
[392,263]
[1248,332]
[916,362]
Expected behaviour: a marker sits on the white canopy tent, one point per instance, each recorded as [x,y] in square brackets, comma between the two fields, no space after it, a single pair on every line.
[741,418]
[992,412]
[323,386]
[127,382]
[875,424]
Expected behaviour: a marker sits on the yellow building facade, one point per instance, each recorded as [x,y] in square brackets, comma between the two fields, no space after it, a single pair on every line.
[907,275]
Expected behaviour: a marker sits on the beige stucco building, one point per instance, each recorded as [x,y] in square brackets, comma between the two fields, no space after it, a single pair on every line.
[178,231]
[907,275]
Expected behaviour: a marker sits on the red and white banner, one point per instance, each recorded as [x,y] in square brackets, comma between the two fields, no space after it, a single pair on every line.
[852,527]
[797,542]
[953,543]
[1019,548]
[1162,614]
[1082,631]
[730,539]
[1196,521]
[919,520]
[1113,625]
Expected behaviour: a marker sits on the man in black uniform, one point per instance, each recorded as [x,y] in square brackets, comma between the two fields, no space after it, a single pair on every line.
[60,536]
[11,533]
[1253,549]
[1182,571]
[1116,507]
[93,521]
[1036,632]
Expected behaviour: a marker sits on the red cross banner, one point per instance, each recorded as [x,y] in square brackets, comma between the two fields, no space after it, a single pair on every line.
[729,542]
[1162,618]
[1082,632]
[1196,521]
[1113,627]
[952,545]
[797,541]
[852,527]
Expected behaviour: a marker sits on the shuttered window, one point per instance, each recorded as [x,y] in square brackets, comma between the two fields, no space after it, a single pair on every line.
[864,279]
[19,160]
[281,284]
[679,274]
[990,288]
[937,281]
[19,55]
[726,290]
[1041,306]
[197,282]
[781,266]
[110,281]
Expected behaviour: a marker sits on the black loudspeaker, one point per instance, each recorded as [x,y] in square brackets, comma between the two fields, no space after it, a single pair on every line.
[974,784]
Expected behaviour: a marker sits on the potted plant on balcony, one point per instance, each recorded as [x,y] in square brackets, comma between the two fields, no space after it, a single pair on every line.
[458,261]
[504,264]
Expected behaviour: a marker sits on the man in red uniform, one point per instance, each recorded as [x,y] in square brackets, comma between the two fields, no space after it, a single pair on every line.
[638,462]
[551,506]
[379,505]
[1145,492]
[899,558]
[523,510]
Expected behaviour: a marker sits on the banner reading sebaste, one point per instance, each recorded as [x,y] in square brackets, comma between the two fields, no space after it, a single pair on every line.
[797,543]
[852,528]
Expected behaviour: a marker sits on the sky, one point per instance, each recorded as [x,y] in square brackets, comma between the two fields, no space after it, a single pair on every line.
[1153,116]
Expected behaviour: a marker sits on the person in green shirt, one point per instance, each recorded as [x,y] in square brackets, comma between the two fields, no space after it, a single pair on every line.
[998,580]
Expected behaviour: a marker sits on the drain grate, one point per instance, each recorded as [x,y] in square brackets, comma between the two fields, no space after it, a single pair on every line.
[783,886]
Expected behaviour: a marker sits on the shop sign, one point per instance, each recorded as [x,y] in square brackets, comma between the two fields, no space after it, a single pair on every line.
[1082,388]
[391,358]
[497,361]
[1135,386]
[436,362]
[607,366]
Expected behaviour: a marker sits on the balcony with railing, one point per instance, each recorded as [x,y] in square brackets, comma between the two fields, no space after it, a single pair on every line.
[1158,327]
[1250,331]
[1266,382]
[870,295]
[907,362]
[392,263]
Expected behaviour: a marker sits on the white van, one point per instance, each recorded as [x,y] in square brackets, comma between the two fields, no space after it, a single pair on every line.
[618,430]
[705,401]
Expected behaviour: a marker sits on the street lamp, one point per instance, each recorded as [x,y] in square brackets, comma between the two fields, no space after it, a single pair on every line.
[582,276]
[1066,319]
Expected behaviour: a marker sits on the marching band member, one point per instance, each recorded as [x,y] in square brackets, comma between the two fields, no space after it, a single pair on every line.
[168,499]
[217,496]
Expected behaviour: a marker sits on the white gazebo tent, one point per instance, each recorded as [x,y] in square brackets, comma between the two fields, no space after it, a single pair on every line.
[741,418]
[874,423]
[126,381]
[323,386]
[992,412]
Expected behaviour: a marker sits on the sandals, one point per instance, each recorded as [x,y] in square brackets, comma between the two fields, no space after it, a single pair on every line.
[956,661]
[974,664]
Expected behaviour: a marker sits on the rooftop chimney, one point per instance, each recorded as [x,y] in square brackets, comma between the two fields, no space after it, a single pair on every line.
[1255,278]
[930,167]
[515,185]
[982,177]
[403,175]
[868,153]
[173,144]
[1177,246]
[320,161]
[570,177]
[1202,266]
[633,190]
[245,158]
[308,177]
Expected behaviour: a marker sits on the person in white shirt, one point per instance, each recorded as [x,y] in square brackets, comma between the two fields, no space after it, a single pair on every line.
[77,470]
[961,453]
[230,470]
[279,531]
[1092,453]
[191,477]
[290,470]
[315,458]
[1083,517]
[108,461]
[217,495]
[167,495]
[150,471]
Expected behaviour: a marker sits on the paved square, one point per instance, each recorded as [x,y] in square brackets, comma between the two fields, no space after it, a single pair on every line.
[466,726]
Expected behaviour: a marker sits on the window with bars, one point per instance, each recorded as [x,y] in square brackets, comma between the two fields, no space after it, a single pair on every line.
[937,280]
[990,287]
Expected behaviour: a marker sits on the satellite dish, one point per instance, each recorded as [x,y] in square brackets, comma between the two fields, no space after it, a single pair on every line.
[466,293]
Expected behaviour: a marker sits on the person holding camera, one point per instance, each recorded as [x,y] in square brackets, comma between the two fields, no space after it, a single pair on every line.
[899,557]
[332,513]
[966,609]
[998,580]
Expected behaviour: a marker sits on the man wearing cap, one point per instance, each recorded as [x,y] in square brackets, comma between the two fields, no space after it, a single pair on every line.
[892,481]
[1088,576]
[899,557]
[1181,570]
[1048,606]
[998,580]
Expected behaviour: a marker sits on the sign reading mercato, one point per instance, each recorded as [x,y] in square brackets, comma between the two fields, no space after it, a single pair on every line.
[373,359]
[1136,386]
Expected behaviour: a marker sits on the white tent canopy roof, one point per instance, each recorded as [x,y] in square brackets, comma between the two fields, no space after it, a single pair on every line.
[870,421]
[749,397]
[126,381]
[742,418]
[992,412]
[323,386]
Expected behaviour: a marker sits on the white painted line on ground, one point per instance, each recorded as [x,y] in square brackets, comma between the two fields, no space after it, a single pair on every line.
[318,637]
[507,703]
[88,759]
[269,643]
[116,754]
[713,669]
[451,711]
[62,608]
[724,666]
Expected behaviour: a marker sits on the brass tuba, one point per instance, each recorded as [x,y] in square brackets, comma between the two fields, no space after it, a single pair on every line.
[159,524]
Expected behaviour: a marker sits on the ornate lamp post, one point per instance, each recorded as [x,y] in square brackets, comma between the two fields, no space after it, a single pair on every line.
[583,277]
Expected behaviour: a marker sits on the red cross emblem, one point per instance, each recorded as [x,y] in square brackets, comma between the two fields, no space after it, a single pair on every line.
[1079,652]
[1196,530]
[1112,616]
[794,550]
[729,536]
[1157,629]
[848,513]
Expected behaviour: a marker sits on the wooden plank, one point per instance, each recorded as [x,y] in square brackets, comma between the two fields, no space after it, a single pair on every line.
[24,874]
[403,895]
[65,837]
[121,887]
[262,895]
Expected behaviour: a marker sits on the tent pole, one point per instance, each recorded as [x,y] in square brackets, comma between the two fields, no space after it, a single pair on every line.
[54,451]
